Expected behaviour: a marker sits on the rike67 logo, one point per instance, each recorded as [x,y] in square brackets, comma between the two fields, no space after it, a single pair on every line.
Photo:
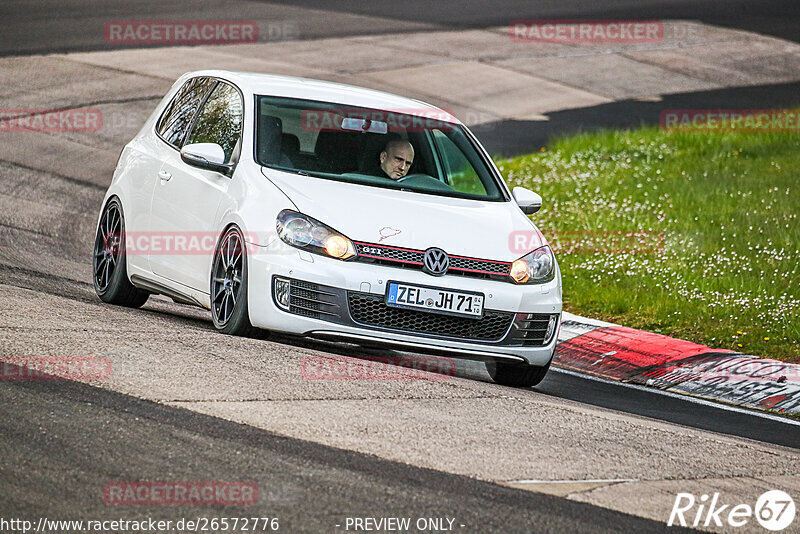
[774,510]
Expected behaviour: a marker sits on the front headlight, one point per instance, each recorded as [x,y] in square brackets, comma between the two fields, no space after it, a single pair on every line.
[537,267]
[307,233]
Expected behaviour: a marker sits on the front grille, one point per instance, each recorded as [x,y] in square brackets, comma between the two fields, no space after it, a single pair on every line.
[530,329]
[412,259]
[470,264]
[383,252]
[371,310]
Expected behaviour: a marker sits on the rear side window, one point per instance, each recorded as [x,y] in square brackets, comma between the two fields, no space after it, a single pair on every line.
[220,121]
[177,117]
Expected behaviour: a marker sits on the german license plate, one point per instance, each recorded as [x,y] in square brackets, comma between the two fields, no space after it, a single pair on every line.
[432,299]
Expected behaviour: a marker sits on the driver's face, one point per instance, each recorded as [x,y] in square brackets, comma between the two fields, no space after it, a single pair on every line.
[397,160]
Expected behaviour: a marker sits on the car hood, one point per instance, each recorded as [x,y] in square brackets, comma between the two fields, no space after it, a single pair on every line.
[478,229]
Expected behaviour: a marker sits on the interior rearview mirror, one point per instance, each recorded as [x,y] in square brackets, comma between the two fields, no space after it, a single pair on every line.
[364,125]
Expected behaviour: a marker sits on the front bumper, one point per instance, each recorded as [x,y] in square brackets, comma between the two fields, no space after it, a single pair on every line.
[345,300]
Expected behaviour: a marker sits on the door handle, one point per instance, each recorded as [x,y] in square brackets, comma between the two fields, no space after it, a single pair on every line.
[164,175]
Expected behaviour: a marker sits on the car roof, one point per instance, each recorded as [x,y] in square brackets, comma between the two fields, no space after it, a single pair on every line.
[320,90]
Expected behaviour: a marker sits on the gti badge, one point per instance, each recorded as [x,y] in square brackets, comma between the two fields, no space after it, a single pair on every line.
[435,262]
[372,250]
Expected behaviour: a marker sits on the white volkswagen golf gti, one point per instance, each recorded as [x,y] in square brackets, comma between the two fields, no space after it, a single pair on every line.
[330,211]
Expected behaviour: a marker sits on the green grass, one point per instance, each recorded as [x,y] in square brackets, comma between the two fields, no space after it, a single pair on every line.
[715,252]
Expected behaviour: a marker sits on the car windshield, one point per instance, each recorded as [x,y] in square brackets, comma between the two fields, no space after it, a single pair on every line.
[380,148]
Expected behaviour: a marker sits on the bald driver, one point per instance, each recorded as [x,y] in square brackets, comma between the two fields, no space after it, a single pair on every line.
[396,158]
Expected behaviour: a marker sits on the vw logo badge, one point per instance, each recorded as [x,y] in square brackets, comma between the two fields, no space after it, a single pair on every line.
[436,262]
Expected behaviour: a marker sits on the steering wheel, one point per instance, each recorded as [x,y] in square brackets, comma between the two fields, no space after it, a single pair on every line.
[416,175]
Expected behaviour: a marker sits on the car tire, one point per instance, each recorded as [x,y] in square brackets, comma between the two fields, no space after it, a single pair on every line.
[229,310]
[517,375]
[109,265]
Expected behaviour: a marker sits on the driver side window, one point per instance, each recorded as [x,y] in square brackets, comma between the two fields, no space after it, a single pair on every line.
[220,121]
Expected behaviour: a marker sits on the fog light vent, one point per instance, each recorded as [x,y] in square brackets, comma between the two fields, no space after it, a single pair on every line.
[551,329]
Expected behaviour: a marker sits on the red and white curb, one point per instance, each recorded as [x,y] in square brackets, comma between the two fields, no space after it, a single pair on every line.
[625,354]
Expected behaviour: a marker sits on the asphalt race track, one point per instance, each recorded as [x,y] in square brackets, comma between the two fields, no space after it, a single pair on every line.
[184,403]
[88,434]
[41,26]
